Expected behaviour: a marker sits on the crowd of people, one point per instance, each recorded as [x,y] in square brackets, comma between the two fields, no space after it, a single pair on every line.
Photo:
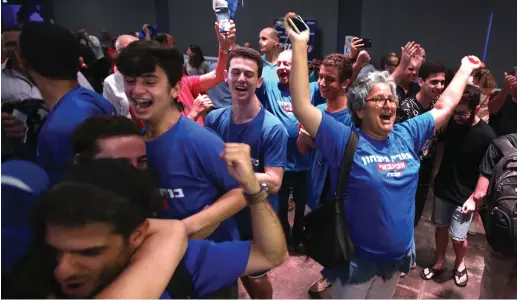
[131,170]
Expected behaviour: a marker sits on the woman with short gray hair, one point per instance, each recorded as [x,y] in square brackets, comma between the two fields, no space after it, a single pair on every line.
[380,195]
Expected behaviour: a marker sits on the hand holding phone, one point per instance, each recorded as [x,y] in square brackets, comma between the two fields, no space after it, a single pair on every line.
[296,33]
[223,17]
[297,24]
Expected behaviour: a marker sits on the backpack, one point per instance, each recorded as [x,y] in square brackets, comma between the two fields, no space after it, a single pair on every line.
[501,202]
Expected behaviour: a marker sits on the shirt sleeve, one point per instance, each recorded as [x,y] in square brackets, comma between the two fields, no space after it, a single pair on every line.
[216,265]
[419,129]
[331,138]
[275,153]
[193,83]
[107,92]
[491,158]
[209,120]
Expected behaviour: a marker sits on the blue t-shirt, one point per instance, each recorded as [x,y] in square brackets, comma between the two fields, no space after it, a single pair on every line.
[55,137]
[269,70]
[214,265]
[22,184]
[276,98]
[319,167]
[190,173]
[380,202]
[267,138]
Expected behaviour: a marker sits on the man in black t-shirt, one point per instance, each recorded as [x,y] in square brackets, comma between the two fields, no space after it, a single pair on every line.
[464,144]
[498,267]
[503,106]
[432,84]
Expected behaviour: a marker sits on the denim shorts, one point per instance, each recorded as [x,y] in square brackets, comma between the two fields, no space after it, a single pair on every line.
[360,270]
[448,214]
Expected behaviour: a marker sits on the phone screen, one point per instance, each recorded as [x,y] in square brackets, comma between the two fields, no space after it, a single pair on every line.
[223,16]
[299,23]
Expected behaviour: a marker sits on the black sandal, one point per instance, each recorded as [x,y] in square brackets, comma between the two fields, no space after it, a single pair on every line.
[430,273]
[459,275]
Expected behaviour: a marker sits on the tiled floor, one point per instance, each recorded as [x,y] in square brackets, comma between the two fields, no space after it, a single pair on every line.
[295,276]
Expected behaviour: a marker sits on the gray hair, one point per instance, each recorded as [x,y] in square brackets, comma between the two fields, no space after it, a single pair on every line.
[359,90]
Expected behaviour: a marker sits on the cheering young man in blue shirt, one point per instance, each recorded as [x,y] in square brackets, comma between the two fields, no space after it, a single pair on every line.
[246,121]
[50,54]
[185,156]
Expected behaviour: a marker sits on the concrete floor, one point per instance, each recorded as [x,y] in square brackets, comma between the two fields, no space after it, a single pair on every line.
[293,279]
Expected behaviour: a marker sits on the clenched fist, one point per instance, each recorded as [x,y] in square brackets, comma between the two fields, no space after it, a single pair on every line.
[238,161]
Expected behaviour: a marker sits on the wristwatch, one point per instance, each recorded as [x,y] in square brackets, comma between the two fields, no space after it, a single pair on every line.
[257,197]
[226,51]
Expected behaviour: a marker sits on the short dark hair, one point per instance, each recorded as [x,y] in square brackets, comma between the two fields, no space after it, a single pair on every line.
[86,135]
[161,38]
[108,191]
[51,50]
[343,64]
[430,67]
[471,96]
[386,58]
[247,53]
[144,56]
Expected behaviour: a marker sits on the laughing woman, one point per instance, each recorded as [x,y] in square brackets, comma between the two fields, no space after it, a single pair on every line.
[383,179]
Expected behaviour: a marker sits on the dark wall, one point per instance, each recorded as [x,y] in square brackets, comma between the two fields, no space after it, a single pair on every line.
[447,29]
[192,22]
[114,16]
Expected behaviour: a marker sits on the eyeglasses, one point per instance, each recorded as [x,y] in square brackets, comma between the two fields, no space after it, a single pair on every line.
[381,101]
[462,113]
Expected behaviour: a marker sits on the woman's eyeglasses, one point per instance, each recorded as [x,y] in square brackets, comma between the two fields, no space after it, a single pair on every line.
[381,101]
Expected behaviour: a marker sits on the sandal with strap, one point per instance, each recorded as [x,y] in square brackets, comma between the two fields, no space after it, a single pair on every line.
[458,277]
[430,273]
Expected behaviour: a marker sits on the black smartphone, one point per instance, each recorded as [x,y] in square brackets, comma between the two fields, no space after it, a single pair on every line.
[297,24]
[367,42]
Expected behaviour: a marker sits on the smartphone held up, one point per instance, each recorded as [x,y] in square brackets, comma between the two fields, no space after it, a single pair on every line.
[222,12]
[297,24]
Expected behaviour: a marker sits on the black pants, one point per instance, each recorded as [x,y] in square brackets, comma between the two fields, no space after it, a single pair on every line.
[424,176]
[297,181]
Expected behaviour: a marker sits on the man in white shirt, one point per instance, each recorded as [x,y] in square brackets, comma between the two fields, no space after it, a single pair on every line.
[114,84]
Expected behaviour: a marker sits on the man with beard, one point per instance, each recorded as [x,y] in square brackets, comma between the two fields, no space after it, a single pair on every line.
[465,141]
[246,121]
[432,83]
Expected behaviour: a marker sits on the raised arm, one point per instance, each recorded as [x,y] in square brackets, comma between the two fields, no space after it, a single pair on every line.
[308,115]
[226,42]
[498,101]
[153,263]
[452,95]
[268,248]
[407,52]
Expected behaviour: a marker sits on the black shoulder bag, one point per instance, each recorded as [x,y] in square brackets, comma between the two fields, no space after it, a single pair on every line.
[325,232]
